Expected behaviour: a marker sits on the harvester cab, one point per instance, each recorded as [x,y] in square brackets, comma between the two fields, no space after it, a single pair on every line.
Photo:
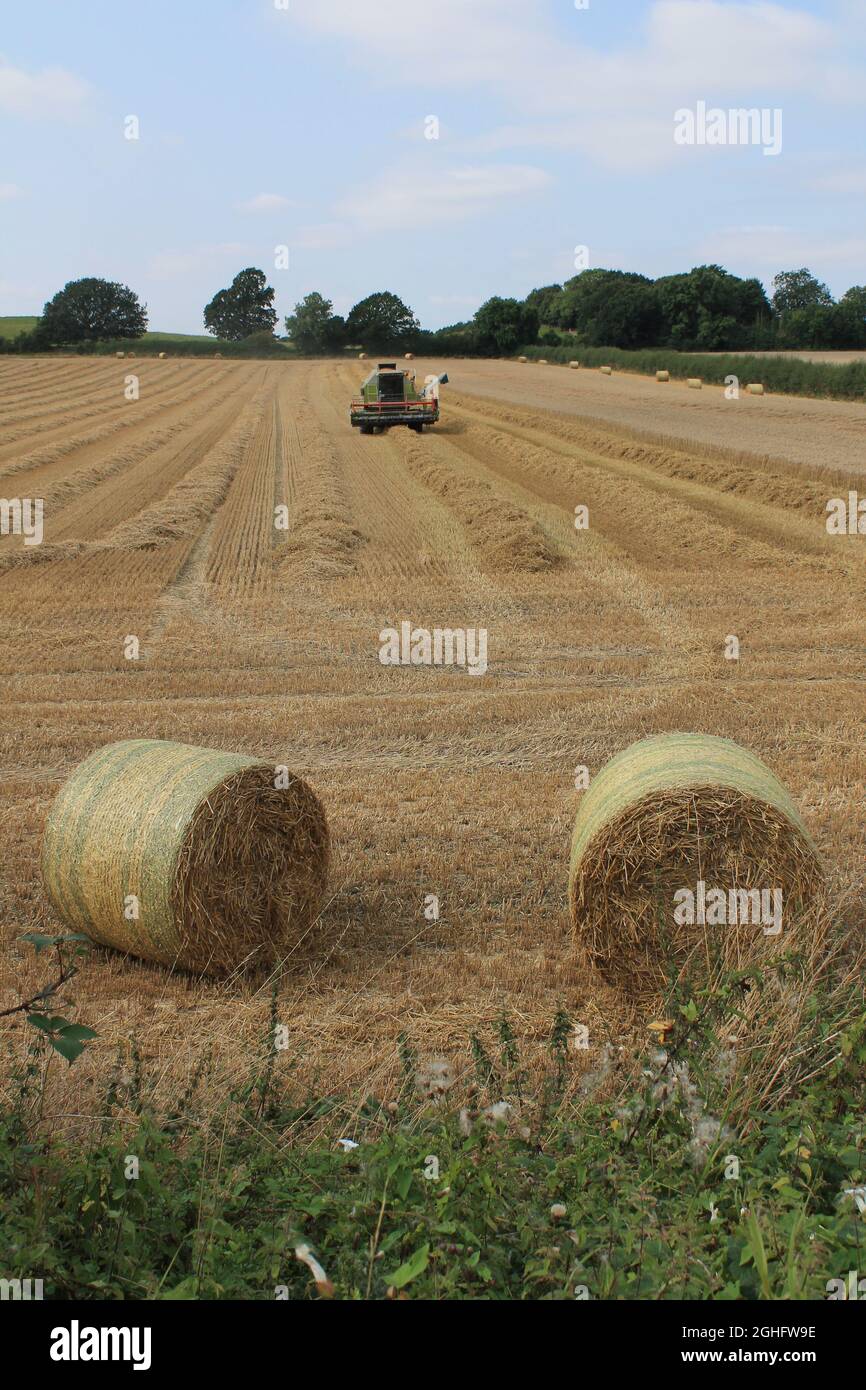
[389,397]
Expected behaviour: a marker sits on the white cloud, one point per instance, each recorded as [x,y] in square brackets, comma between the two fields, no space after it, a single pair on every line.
[712,47]
[413,197]
[265,202]
[775,248]
[684,44]
[9,191]
[461,43]
[614,104]
[51,92]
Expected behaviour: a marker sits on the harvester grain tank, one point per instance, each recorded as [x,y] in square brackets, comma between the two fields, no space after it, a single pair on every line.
[389,396]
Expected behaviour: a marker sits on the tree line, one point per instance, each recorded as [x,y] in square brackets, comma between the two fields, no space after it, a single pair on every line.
[706,310]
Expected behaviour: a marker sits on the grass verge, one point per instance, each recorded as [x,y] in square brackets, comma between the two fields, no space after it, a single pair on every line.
[655,1173]
[788,376]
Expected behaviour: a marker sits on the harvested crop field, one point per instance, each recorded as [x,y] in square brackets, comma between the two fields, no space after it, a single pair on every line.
[706,520]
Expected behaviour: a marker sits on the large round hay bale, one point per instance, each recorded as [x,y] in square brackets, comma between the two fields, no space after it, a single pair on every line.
[574,365]
[162,354]
[755,388]
[362,356]
[606,371]
[223,864]
[523,359]
[695,383]
[663,376]
[668,814]
[409,356]
[542,361]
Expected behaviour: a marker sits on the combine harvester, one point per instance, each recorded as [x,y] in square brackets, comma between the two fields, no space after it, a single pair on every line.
[389,397]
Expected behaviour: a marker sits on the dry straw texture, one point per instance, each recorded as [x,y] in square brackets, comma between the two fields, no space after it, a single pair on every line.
[227,868]
[665,814]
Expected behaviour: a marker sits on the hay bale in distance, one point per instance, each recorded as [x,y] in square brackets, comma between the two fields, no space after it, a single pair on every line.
[695,383]
[118,354]
[663,376]
[542,361]
[523,359]
[409,356]
[217,354]
[362,356]
[606,371]
[755,388]
[162,354]
[574,365]
[665,814]
[227,868]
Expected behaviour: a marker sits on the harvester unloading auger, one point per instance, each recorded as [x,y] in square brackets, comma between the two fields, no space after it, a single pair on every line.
[389,397]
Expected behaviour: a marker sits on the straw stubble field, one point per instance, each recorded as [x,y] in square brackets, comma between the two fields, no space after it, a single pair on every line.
[159,525]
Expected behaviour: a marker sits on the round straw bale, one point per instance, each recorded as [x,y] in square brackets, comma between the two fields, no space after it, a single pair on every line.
[694,383]
[574,365]
[522,359]
[222,866]
[362,356]
[606,371]
[666,814]
[542,361]
[755,388]
[162,354]
[409,356]
[663,376]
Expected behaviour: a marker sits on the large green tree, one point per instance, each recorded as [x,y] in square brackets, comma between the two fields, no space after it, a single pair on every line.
[547,303]
[501,325]
[89,310]
[381,321]
[855,300]
[709,309]
[823,326]
[799,289]
[610,308]
[314,327]
[246,307]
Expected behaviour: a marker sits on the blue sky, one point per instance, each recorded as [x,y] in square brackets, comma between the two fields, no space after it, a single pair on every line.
[304,126]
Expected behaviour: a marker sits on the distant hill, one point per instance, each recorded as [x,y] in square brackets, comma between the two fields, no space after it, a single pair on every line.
[175,338]
[12,325]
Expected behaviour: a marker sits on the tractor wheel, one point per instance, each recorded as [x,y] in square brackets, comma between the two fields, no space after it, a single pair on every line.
[419,428]
[366,429]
